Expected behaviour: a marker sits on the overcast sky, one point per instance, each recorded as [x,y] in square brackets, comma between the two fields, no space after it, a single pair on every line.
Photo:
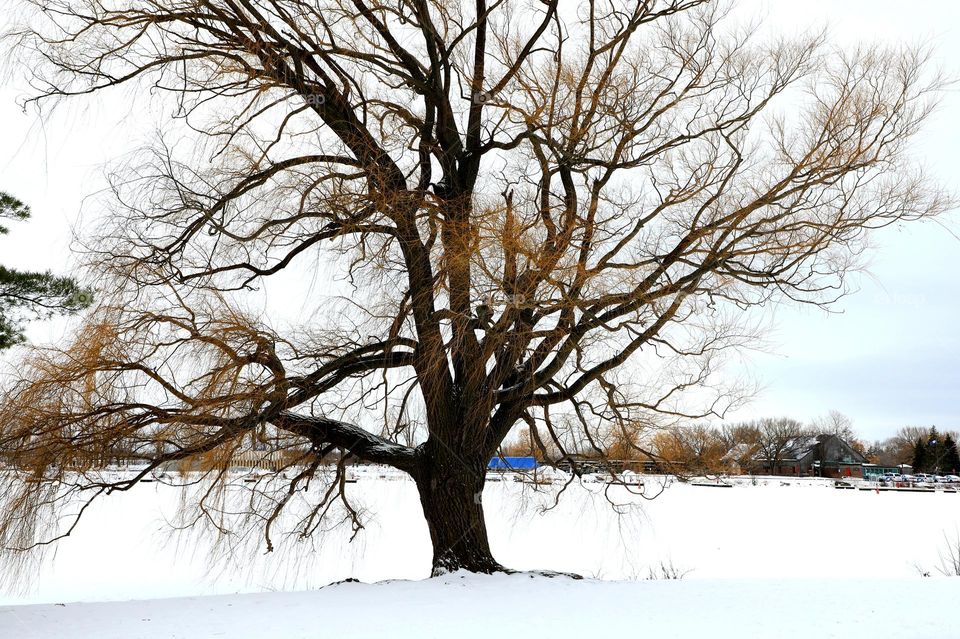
[889,356]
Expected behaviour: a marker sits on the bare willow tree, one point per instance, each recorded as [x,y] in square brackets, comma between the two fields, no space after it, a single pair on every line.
[555,217]
[689,449]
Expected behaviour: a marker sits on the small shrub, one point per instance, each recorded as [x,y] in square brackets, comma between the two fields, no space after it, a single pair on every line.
[666,570]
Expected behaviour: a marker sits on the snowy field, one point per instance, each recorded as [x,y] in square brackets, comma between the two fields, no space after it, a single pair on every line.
[749,555]
[459,606]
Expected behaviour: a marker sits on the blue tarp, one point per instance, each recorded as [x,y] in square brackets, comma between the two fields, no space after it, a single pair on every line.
[513,463]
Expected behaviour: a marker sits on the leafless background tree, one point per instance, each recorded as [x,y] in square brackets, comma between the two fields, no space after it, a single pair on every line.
[690,449]
[555,217]
[774,436]
[836,423]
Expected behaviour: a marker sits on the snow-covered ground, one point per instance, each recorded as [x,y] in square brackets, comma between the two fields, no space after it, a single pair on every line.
[778,554]
[466,606]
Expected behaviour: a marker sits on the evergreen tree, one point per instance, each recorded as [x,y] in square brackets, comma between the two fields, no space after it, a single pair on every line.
[951,458]
[29,295]
[920,456]
[934,450]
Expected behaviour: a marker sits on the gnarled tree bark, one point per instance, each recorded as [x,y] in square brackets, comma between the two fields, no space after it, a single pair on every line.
[451,494]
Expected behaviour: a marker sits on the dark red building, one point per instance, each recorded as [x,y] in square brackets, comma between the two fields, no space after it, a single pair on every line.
[816,456]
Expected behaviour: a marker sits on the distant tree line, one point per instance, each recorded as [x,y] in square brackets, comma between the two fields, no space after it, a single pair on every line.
[690,448]
[912,445]
[736,446]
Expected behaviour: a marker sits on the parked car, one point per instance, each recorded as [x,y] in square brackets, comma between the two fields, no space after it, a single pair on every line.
[951,479]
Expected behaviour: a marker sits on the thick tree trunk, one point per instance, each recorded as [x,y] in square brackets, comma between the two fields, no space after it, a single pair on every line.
[451,489]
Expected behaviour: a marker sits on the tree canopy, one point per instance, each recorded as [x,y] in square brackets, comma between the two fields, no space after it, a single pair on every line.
[555,216]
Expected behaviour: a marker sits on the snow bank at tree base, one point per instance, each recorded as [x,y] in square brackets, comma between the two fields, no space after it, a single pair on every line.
[460,605]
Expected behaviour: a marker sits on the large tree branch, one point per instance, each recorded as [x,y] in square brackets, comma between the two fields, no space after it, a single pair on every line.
[365,445]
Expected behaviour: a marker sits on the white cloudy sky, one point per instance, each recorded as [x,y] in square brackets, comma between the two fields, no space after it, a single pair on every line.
[889,355]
